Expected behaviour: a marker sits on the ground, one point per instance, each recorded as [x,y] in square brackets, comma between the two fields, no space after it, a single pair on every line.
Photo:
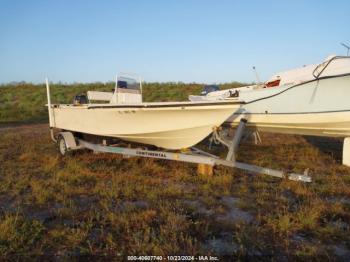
[106,205]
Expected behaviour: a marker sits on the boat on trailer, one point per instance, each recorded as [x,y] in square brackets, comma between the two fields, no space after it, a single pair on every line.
[171,126]
[311,100]
[168,125]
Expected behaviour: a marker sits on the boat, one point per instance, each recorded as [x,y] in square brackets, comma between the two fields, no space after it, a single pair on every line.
[122,114]
[310,100]
[173,126]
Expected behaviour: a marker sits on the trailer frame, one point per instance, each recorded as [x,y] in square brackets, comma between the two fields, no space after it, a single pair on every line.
[192,155]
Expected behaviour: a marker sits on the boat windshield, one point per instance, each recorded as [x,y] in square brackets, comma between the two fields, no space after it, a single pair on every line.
[128,82]
[128,89]
[209,88]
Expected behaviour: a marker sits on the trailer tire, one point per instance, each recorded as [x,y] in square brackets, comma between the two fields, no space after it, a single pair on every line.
[62,146]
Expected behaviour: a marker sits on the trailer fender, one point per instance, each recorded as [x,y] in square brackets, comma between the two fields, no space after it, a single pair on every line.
[69,140]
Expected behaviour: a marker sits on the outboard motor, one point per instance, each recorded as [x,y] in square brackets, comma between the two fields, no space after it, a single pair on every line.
[208,89]
[80,99]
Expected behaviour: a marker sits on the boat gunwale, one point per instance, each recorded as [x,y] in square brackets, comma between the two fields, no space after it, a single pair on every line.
[152,105]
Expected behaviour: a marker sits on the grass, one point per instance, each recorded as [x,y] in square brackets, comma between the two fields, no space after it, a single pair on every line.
[106,205]
[103,204]
[18,235]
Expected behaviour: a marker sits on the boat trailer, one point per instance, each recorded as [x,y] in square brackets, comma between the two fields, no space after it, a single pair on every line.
[68,142]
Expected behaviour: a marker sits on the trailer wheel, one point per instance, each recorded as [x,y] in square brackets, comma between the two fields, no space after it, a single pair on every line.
[62,147]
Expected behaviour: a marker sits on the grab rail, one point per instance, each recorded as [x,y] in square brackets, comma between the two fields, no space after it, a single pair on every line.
[327,64]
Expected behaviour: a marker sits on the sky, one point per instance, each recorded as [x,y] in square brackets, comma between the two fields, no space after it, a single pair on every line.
[166,40]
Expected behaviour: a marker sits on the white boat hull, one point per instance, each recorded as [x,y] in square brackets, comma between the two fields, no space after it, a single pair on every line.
[170,126]
[320,124]
[320,107]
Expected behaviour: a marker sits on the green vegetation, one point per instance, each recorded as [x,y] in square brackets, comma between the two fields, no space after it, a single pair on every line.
[26,102]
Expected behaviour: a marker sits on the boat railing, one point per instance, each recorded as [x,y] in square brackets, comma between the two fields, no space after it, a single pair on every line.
[325,65]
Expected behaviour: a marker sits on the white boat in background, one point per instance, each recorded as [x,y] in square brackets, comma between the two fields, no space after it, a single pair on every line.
[311,100]
[169,125]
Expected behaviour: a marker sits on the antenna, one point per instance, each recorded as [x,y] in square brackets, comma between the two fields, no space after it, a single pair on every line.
[256,75]
[347,47]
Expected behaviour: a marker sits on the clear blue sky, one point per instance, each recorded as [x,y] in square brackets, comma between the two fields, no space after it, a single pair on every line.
[169,40]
